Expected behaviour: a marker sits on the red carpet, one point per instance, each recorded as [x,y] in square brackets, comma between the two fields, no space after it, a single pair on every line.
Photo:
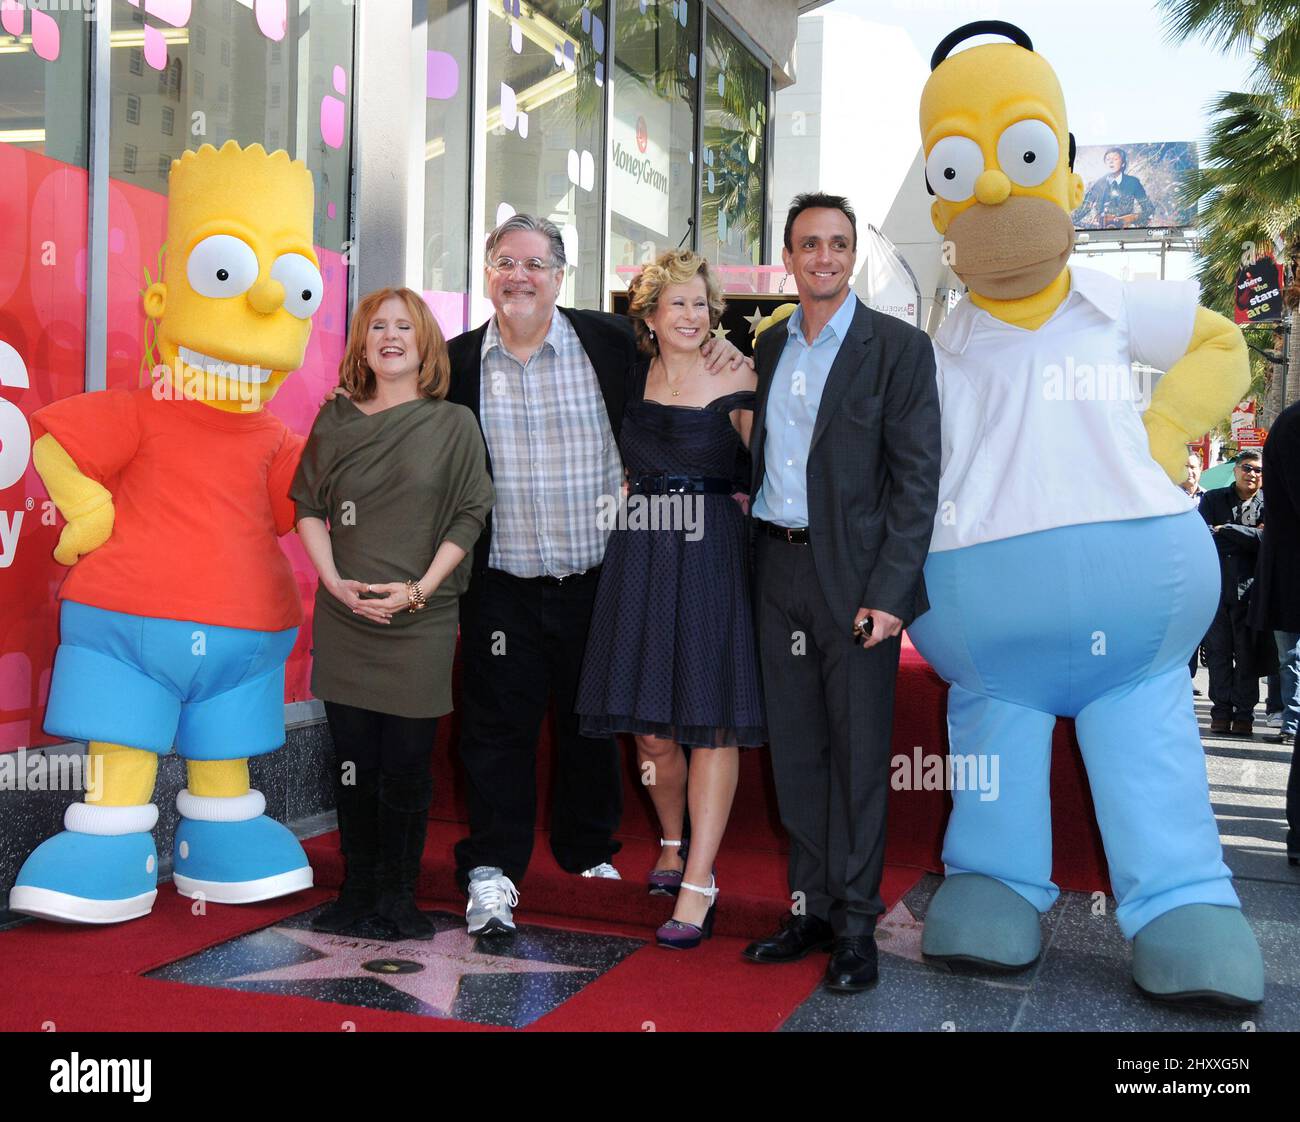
[916,817]
[708,989]
[88,979]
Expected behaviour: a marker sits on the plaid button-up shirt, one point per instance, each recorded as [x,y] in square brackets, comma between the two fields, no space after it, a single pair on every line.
[553,454]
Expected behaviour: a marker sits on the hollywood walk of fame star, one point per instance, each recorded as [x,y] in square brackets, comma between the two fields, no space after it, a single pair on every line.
[899,933]
[755,319]
[719,332]
[442,962]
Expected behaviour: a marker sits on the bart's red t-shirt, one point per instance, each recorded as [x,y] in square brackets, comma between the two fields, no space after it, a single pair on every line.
[200,497]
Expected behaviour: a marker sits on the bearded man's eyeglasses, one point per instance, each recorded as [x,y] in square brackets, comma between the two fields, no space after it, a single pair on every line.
[533,265]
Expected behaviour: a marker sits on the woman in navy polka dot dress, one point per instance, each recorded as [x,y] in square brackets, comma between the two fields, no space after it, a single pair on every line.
[671,657]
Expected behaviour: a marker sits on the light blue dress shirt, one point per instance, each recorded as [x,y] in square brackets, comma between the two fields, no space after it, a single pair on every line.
[792,403]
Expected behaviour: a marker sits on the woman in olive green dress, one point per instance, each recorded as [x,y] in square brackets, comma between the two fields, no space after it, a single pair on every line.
[392,493]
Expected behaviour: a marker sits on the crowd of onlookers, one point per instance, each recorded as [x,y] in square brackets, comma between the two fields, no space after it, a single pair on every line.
[1256,630]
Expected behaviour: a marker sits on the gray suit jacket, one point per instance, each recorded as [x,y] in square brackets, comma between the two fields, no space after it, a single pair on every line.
[873,468]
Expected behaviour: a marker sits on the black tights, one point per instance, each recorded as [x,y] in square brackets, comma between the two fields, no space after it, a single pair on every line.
[381,742]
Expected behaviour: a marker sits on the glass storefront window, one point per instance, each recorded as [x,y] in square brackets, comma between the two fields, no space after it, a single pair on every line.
[277,74]
[446,89]
[44,134]
[545,70]
[732,164]
[652,135]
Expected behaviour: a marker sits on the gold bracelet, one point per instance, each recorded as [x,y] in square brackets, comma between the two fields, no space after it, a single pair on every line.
[415,594]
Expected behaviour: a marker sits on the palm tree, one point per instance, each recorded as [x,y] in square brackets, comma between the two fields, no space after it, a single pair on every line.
[1248,187]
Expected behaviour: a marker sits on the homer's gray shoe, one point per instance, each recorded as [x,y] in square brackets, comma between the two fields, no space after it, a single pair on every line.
[975,920]
[491,896]
[1200,954]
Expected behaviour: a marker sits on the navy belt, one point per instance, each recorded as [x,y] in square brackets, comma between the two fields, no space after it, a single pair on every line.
[662,483]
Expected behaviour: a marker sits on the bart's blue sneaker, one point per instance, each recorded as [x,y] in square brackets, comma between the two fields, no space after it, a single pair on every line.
[1200,954]
[229,852]
[103,868]
[978,921]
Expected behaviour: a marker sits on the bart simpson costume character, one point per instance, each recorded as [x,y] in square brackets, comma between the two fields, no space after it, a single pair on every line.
[1068,575]
[180,607]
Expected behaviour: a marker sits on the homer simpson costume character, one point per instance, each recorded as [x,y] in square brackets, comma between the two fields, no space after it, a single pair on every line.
[180,607]
[1068,575]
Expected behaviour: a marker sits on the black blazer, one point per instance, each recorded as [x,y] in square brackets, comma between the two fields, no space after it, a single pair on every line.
[611,347]
[873,468]
[1275,601]
[1237,545]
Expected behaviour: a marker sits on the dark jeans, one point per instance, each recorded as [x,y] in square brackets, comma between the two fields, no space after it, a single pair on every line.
[1229,654]
[830,709]
[522,645]
[1273,698]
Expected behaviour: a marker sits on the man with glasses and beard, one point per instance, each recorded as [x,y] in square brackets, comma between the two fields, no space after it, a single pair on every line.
[548,386]
[1235,515]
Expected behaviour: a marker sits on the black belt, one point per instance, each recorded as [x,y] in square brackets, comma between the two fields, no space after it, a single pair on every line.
[661,483]
[553,582]
[797,536]
[568,578]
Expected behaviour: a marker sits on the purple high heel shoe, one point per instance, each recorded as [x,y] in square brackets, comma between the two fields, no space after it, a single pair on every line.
[677,935]
[666,882]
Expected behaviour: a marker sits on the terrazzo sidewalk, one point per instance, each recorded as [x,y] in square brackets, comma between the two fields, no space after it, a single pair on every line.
[1083,982]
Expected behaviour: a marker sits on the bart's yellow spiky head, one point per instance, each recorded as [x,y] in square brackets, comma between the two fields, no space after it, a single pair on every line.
[999,159]
[241,279]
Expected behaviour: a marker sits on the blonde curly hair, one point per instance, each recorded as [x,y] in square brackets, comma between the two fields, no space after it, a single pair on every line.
[674,266]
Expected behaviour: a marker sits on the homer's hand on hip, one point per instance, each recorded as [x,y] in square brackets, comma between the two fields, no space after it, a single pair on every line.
[883,626]
[1168,446]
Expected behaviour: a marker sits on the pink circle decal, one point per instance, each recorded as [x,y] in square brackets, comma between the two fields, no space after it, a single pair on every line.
[340,80]
[272,18]
[175,12]
[11,17]
[442,75]
[45,36]
[331,121]
[155,47]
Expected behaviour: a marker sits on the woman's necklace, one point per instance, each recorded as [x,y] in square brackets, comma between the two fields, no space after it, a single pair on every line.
[669,382]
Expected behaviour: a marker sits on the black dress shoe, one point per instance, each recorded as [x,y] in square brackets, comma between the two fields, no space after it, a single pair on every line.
[852,967]
[799,936]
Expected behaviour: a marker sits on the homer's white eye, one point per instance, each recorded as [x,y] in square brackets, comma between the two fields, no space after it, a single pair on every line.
[1028,152]
[303,288]
[953,166]
[221,265]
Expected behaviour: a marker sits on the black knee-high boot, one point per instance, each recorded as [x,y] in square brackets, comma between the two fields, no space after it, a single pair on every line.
[403,823]
[358,809]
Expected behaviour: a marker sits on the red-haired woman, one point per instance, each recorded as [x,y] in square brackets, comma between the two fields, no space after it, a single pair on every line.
[392,494]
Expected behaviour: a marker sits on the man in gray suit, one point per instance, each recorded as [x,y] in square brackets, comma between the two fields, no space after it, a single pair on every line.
[845,483]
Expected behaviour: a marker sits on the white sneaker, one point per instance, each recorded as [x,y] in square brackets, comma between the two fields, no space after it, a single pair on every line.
[605,871]
[1275,721]
[491,896]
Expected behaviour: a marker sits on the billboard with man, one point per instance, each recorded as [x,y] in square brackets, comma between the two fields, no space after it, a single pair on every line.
[1134,186]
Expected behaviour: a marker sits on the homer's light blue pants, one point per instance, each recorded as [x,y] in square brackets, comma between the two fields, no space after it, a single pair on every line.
[1095,622]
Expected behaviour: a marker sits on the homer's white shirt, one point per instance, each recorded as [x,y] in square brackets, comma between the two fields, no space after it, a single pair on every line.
[1044,428]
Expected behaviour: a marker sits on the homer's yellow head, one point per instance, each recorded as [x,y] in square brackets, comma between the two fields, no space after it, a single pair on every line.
[999,160]
[241,280]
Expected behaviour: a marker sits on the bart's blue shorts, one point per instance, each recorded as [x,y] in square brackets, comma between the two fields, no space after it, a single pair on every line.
[217,693]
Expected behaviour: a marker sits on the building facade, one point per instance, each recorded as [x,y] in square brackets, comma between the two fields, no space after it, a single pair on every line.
[635,125]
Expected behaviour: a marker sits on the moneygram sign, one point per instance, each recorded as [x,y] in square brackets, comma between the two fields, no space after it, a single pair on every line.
[639,167]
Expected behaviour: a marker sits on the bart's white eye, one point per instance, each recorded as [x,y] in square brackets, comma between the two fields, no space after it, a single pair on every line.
[953,166]
[221,265]
[1028,152]
[303,288]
